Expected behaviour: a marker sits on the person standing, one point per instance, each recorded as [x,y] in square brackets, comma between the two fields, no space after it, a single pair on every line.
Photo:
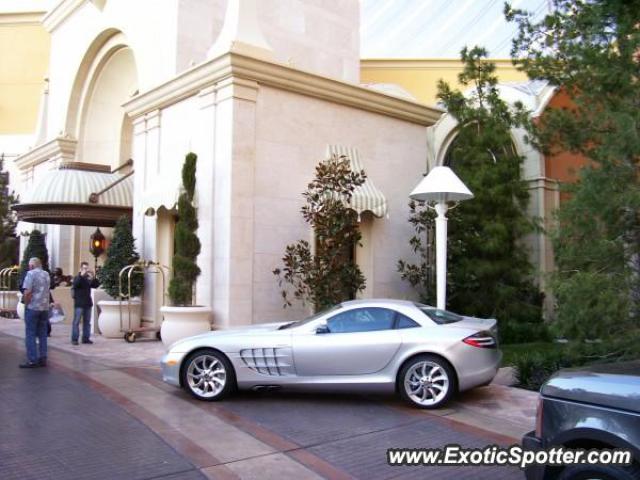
[82,303]
[36,299]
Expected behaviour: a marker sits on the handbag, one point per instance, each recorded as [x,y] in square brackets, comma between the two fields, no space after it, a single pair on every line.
[56,314]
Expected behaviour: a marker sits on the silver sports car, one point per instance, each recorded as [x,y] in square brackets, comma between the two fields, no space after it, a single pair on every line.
[425,354]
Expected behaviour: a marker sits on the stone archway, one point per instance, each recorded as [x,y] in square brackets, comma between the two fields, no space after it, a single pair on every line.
[106,78]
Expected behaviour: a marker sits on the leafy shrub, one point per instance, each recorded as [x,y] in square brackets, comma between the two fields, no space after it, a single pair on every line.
[329,275]
[121,252]
[514,332]
[534,368]
[36,247]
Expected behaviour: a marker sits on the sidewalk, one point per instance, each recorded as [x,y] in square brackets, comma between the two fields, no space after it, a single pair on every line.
[111,352]
[497,408]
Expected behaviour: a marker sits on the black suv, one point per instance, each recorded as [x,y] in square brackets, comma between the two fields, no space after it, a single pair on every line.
[597,408]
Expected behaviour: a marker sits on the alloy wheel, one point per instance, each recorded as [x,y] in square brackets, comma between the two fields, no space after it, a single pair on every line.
[426,383]
[206,376]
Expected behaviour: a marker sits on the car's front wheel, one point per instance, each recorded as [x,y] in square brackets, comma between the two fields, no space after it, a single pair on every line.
[426,381]
[600,472]
[208,375]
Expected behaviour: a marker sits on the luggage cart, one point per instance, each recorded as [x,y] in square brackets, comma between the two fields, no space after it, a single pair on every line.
[139,268]
[5,288]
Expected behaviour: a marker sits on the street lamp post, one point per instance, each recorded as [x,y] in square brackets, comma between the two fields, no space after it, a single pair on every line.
[440,187]
[97,247]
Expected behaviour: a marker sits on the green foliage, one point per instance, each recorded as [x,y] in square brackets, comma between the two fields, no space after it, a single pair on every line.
[329,276]
[489,273]
[535,364]
[533,369]
[120,253]
[421,276]
[189,175]
[187,244]
[9,244]
[36,247]
[590,49]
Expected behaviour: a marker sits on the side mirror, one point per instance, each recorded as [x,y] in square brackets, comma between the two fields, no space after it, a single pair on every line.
[322,329]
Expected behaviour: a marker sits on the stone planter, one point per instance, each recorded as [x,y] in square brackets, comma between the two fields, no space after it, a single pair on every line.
[183,322]
[20,306]
[109,319]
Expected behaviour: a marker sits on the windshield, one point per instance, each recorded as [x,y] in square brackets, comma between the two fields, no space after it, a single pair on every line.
[311,318]
[441,317]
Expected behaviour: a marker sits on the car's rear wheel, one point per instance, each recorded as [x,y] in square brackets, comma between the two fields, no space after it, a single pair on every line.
[208,375]
[426,381]
[600,472]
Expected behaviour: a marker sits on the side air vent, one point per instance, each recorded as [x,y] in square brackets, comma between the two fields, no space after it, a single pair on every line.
[274,362]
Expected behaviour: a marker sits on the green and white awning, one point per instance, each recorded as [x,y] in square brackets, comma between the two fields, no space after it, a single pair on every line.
[77,194]
[367,197]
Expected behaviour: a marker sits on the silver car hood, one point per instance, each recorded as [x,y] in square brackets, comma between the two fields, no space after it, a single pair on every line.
[249,329]
[230,332]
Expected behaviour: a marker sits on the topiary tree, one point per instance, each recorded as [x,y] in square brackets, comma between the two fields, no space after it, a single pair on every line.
[36,247]
[187,244]
[329,276]
[121,252]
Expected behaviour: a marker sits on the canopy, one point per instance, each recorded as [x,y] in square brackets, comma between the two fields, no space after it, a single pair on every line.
[367,197]
[78,194]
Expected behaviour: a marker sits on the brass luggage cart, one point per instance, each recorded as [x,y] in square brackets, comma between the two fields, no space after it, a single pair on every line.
[6,274]
[140,267]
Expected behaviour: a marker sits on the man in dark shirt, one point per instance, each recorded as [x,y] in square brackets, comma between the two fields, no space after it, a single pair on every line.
[82,303]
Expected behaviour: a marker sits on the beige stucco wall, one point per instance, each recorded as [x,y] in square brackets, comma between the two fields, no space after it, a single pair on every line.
[258,149]
[291,137]
[314,35]
[420,77]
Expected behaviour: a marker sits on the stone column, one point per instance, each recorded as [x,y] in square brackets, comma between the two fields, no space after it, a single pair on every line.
[204,147]
[146,152]
[233,240]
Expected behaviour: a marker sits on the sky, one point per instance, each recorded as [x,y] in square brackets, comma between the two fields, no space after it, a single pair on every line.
[438,28]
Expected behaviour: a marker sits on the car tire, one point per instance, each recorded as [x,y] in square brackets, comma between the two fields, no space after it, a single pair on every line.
[208,375]
[600,472]
[427,381]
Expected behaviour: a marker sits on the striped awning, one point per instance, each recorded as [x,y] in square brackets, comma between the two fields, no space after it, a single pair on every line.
[367,197]
[76,194]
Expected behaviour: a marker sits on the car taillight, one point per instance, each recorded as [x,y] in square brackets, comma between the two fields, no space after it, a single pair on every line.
[539,418]
[481,340]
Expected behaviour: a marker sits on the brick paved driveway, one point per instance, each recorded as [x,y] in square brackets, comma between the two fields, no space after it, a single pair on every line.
[80,418]
[53,427]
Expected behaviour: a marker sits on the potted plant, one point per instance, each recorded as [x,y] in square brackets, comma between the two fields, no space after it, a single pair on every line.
[183,319]
[121,252]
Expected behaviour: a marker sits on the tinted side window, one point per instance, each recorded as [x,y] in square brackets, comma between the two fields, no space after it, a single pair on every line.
[440,316]
[402,321]
[362,320]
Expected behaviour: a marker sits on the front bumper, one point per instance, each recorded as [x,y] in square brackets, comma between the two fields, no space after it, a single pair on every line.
[533,443]
[170,364]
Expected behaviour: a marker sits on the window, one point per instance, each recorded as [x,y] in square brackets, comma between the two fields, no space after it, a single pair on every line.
[362,320]
[310,319]
[402,321]
[439,316]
